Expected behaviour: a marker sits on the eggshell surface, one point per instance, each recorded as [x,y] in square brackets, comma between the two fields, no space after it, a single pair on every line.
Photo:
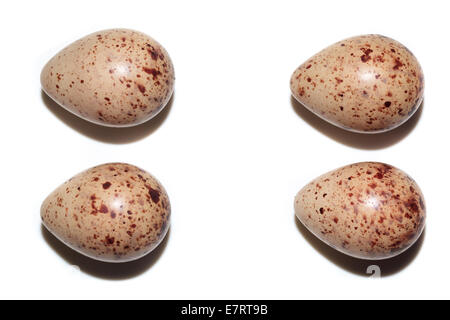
[365,84]
[116,78]
[367,210]
[113,212]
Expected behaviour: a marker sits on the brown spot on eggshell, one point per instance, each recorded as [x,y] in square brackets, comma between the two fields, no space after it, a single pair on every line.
[352,82]
[366,56]
[73,215]
[388,213]
[95,75]
[155,73]
[154,194]
[103,209]
[141,88]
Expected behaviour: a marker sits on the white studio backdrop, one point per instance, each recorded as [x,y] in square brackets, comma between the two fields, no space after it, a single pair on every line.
[232,150]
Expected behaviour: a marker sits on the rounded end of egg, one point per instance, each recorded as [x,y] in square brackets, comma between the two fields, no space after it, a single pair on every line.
[366,210]
[115,212]
[116,78]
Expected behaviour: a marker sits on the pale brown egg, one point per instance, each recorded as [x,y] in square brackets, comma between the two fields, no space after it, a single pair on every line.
[367,210]
[116,78]
[365,84]
[114,212]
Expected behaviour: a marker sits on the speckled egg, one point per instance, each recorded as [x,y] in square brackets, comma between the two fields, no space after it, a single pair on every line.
[367,210]
[116,78]
[114,212]
[365,84]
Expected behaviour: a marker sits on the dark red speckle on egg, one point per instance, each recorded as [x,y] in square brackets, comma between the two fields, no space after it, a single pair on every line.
[154,194]
[141,88]
[103,209]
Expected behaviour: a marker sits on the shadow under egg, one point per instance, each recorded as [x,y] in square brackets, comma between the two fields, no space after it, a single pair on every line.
[358,140]
[361,267]
[105,270]
[108,134]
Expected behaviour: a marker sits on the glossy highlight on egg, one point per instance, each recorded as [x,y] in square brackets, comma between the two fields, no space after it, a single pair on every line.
[114,212]
[367,210]
[364,84]
[114,78]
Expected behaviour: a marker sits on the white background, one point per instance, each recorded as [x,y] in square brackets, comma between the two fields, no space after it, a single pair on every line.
[232,150]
